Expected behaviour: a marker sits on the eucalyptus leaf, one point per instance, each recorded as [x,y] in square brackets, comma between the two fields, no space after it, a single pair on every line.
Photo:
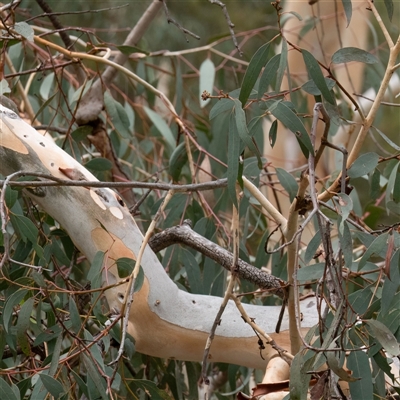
[207,77]
[349,54]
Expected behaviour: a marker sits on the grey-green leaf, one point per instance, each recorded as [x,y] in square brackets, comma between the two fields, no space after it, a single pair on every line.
[269,74]
[348,10]
[311,88]
[54,387]
[386,338]
[253,71]
[161,126]
[363,165]
[233,159]
[358,363]
[288,183]
[349,54]
[315,73]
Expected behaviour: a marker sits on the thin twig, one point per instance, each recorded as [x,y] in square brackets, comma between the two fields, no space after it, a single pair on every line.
[230,24]
[171,20]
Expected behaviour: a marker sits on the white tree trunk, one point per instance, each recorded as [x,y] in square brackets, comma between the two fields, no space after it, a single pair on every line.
[165,321]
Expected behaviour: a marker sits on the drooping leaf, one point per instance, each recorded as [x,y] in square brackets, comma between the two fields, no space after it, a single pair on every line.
[273,132]
[207,77]
[6,391]
[348,10]
[293,123]
[161,126]
[193,272]
[117,114]
[11,302]
[54,387]
[389,8]
[94,374]
[312,247]
[269,74]
[384,336]
[314,71]
[345,207]
[177,161]
[288,183]
[128,50]
[233,159]
[349,54]
[377,247]
[74,316]
[358,363]
[23,325]
[282,65]
[363,165]
[240,118]
[253,71]
[391,184]
[346,242]
[311,88]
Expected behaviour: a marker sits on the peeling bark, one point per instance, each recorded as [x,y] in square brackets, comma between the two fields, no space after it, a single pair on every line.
[165,321]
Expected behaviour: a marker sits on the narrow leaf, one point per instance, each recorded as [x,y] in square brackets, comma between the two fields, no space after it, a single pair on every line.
[348,10]
[253,71]
[349,54]
[269,74]
[272,133]
[240,118]
[233,158]
[118,115]
[282,65]
[389,8]
[23,325]
[74,316]
[288,183]
[315,74]
[11,302]
[293,123]
[161,126]
[358,362]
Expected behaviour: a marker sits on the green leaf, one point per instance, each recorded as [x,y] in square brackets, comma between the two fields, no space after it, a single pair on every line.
[25,228]
[207,77]
[118,115]
[240,118]
[384,336]
[348,10]
[311,272]
[282,65]
[125,266]
[95,375]
[389,8]
[54,387]
[81,133]
[284,114]
[349,54]
[74,315]
[23,325]
[363,165]
[312,247]
[192,271]
[49,334]
[24,30]
[311,88]
[139,280]
[345,207]
[358,363]
[94,350]
[177,161]
[11,302]
[253,71]
[314,71]
[346,242]
[269,74]
[299,380]
[162,127]
[233,159]
[6,391]
[272,133]
[391,184]
[151,389]
[99,164]
[128,50]
[332,359]
[288,183]
[96,267]
[387,140]
[377,247]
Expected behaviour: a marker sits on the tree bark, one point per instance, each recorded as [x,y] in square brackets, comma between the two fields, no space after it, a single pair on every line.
[165,321]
